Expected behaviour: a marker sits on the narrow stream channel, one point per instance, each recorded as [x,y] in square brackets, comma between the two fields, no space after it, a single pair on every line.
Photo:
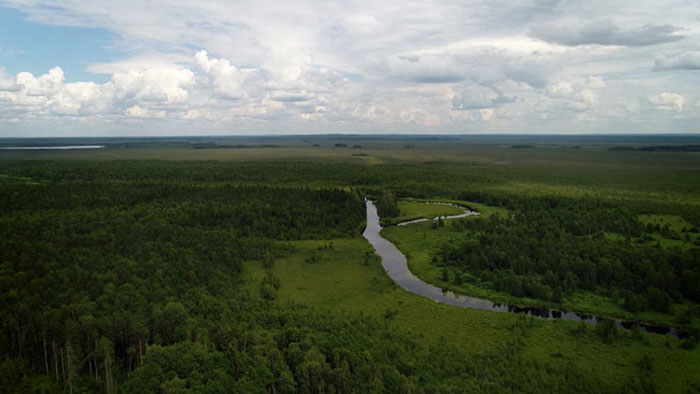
[396,266]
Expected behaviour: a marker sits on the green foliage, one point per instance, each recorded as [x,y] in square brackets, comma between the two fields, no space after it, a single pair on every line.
[16,376]
[128,276]
[94,273]
[550,246]
[387,206]
[184,367]
[607,330]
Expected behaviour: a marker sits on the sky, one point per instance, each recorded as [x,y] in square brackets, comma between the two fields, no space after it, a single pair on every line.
[137,68]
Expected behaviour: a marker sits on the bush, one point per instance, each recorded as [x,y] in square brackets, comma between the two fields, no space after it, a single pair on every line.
[607,331]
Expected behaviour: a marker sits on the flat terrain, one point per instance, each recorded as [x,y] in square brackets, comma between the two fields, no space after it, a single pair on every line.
[341,281]
[247,251]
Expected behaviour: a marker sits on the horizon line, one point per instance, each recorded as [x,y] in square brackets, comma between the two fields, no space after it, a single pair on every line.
[660,134]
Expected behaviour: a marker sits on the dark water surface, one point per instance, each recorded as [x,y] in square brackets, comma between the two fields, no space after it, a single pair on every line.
[396,266]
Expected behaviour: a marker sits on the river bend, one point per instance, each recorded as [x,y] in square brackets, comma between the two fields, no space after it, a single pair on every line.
[396,266]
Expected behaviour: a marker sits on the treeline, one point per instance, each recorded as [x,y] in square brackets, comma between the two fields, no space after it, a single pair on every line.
[418,180]
[241,211]
[658,148]
[213,145]
[387,205]
[549,248]
[404,179]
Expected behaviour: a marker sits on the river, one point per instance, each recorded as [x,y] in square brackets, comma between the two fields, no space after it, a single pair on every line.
[396,266]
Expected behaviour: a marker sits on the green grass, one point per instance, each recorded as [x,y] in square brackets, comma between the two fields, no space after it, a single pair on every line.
[678,226]
[419,205]
[675,222]
[414,209]
[342,280]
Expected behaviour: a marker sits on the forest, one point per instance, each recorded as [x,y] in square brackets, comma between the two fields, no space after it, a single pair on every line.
[549,247]
[132,287]
[165,276]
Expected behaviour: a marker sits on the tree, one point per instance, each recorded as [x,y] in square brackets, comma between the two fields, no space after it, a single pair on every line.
[387,206]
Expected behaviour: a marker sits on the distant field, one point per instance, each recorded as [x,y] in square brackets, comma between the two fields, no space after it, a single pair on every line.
[551,167]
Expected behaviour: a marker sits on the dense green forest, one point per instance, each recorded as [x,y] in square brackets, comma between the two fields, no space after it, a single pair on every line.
[135,276]
[548,247]
[132,286]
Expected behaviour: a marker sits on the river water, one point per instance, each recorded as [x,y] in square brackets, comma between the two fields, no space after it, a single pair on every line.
[464,214]
[396,266]
[64,147]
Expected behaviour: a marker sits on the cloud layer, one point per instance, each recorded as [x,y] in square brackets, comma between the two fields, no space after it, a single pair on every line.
[605,32]
[349,66]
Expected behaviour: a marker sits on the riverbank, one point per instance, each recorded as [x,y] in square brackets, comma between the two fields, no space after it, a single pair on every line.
[396,266]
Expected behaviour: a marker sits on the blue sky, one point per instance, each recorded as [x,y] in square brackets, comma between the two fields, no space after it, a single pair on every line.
[35,47]
[97,67]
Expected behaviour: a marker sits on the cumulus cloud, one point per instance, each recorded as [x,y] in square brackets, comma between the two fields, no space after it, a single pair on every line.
[605,32]
[166,85]
[578,94]
[49,94]
[667,102]
[82,98]
[353,66]
[286,62]
[44,85]
[226,79]
[7,83]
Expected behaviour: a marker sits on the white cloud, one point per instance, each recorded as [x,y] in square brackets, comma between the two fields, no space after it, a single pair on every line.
[7,83]
[49,94]
[81,98]
[44,85]
[355,66]
[138,112]
[286,61]
[667,101]
[226,78]
[163,85]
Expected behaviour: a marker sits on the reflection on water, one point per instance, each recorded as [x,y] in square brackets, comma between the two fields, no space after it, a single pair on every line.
[396,266]
[65,147]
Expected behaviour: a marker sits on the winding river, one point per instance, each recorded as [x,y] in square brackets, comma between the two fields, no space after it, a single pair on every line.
[464,214]
[396,266]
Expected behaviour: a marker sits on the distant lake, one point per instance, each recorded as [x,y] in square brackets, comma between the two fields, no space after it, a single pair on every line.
[66,147]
